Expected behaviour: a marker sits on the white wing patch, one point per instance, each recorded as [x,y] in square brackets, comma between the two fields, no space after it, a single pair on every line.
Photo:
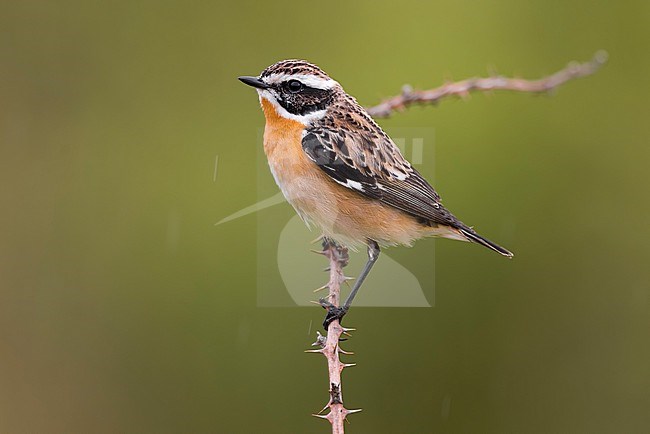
[350,184]
[354,184]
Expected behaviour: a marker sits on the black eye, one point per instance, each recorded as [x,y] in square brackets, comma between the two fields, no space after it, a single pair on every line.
[294,86]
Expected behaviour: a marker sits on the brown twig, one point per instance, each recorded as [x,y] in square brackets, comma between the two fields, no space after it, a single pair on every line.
[329,345]
[462,89]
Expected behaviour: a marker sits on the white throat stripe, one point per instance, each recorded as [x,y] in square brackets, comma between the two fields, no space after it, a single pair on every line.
[303,119]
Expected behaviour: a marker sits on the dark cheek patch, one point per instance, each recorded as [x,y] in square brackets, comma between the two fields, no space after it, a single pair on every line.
[306,101]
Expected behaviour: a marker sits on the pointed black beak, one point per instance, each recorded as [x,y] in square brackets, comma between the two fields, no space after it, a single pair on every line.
[254,81]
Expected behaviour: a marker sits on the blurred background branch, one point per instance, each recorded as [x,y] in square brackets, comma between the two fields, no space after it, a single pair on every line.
[463,88]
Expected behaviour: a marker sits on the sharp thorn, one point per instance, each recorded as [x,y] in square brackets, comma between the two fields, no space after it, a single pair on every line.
[318,252]
[326,269]
[352,411]
[314,351]
[324,408]
[322,287]
[349,365]
[349,353]
[316,240]
[322,416]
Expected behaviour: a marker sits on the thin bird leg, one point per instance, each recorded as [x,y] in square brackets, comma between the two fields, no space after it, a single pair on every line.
[333,312]
[373,255]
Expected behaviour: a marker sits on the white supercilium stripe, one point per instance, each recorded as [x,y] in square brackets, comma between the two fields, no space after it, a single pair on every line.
[307,80]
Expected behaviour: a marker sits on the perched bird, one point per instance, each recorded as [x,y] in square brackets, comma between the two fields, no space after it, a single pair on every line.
[342,173]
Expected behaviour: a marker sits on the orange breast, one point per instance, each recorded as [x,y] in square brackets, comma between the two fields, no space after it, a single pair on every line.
[283,143]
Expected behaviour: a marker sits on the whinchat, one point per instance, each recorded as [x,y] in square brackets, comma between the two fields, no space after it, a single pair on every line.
[342,173]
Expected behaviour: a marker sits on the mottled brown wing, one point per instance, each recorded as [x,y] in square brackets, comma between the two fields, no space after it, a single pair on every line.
[367,161]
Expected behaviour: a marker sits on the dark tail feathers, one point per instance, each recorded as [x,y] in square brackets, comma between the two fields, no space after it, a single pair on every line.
[476,238]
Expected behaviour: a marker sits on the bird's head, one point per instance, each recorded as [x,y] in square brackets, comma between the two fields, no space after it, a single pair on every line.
[297,89]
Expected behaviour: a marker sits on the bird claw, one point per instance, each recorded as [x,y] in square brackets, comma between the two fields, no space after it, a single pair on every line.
[333,312]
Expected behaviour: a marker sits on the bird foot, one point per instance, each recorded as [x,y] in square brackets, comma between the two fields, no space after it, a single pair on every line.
[333,312]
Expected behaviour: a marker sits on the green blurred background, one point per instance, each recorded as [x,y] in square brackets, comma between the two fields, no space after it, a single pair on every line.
[124,309]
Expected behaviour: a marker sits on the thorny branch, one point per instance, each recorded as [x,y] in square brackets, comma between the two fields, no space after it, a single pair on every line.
[338,255]
[463,88]
[329,345]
